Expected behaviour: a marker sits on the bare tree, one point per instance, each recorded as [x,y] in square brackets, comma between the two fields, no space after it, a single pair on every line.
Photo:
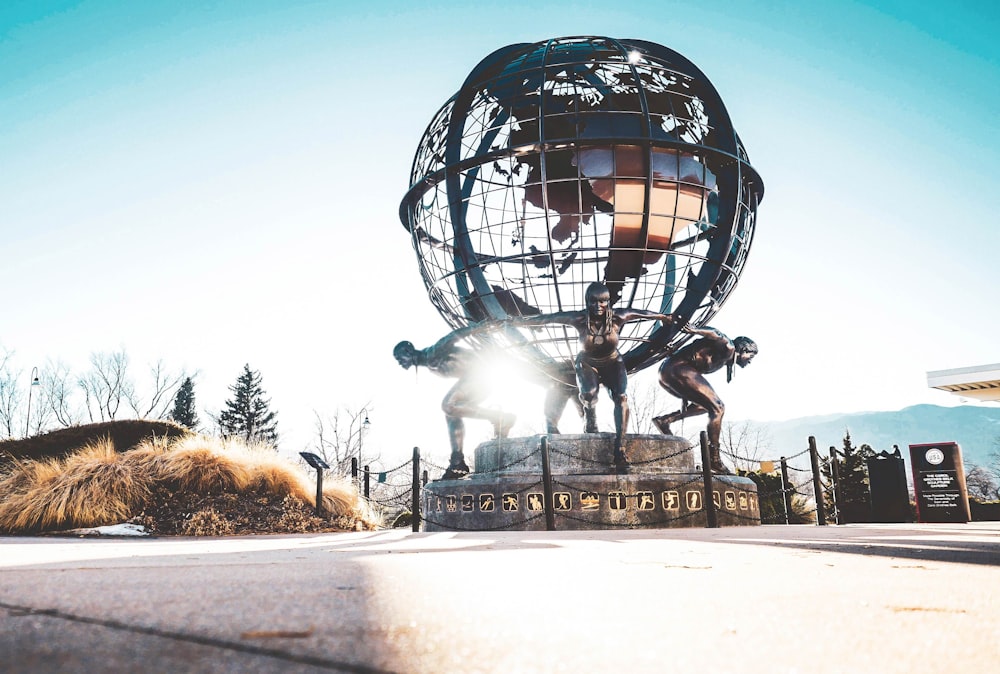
[340,437]
[994,465]
[164,386]
[982,484]
[746,443]
[10,395]
[646,401]
[106,385]
[58,392]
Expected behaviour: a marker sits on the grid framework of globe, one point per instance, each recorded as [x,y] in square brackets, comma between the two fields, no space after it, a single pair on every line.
[576,160]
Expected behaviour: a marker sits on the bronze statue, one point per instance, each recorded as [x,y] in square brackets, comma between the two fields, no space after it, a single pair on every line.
[561,388]
[445,358]
[681,375]
[598,361]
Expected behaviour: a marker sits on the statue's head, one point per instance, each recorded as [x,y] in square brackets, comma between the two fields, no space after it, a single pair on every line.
[598,299]
[405,354]
[746,349]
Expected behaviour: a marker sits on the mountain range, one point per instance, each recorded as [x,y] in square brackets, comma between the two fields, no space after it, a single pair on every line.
[975,428]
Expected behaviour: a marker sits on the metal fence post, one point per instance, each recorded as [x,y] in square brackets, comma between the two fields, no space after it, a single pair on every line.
[415,507]
[368,481]
[706,474]
[817,483]
[354,469]
[550,518]
[786,489]
[835,487]
[319,492]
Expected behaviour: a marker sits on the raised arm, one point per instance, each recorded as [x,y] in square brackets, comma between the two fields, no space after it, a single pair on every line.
[561,317]
[626,315]
[454,336]
[710,333]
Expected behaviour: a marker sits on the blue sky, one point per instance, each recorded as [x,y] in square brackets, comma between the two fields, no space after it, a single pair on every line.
[216,184]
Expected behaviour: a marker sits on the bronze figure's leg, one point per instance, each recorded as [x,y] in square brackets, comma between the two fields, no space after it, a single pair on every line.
[663,424]
[555,404]
[461,402]
[456,434]
[687,410]
[685,382]
[590,417]
[590,385]
[616,379]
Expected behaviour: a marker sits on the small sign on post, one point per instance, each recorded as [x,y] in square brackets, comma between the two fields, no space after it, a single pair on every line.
[320,465]
[939,482]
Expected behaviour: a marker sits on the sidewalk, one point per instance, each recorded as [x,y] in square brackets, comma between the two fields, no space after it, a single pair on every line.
[859,598]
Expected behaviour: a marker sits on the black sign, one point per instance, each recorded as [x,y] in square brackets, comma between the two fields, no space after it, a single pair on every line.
[939,482]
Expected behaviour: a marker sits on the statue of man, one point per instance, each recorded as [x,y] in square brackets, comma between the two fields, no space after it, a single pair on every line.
[681,374]
[445,358]
[598,361]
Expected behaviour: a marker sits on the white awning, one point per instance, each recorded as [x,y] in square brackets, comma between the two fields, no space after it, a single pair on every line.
[981,382]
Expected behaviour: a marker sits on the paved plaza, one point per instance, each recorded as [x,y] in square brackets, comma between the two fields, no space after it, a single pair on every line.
[859,598]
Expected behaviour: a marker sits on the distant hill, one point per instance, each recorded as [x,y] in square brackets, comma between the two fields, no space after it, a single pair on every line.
[975,428]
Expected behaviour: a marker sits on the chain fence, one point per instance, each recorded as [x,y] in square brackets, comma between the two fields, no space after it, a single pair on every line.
[402,493]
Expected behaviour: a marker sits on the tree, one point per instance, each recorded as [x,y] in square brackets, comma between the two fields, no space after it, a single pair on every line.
[646,401]
[57,389]
[746,444]
[853,498]
[10,397]
[164,384]
[247,414]
[106,385]
[771,499]
[340,438]
[982,484]
[184,412]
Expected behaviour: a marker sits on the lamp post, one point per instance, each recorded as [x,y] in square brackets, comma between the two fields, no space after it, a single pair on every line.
[365,425]
[34,383]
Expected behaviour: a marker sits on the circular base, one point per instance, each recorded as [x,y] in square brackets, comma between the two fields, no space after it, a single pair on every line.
[662,490]
[584,454]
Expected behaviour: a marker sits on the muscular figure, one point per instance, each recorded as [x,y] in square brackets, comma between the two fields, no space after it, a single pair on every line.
[447,359]
[681,375]
[598,361]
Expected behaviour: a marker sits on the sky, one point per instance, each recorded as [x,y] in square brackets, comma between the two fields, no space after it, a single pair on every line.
[216,184]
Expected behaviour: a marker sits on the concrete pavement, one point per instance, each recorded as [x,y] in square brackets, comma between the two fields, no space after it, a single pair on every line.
[861,598]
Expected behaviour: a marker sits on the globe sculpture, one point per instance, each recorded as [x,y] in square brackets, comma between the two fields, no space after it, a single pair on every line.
[575,160]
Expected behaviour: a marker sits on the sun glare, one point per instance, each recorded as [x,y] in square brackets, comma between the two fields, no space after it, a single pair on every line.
[513,389]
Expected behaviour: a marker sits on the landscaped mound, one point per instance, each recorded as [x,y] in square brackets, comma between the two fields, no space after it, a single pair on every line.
[123,435]
[192,485]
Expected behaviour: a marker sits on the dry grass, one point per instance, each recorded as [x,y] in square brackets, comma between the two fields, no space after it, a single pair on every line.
[190,485]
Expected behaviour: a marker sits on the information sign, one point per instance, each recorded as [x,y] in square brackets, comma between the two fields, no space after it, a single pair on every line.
[939,482]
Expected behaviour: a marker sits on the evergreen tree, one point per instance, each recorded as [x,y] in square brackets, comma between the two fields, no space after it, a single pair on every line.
[853,497]
[183,411]
[247,414]
[771,500]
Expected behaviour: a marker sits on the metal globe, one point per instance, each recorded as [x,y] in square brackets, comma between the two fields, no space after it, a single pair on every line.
[575,160]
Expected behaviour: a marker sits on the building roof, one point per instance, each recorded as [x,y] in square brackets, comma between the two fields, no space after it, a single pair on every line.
[981,382]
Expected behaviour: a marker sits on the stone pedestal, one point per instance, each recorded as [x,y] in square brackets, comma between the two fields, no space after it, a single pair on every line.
[664,487]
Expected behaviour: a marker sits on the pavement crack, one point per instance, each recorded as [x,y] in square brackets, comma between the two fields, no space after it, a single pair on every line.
[335,665]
